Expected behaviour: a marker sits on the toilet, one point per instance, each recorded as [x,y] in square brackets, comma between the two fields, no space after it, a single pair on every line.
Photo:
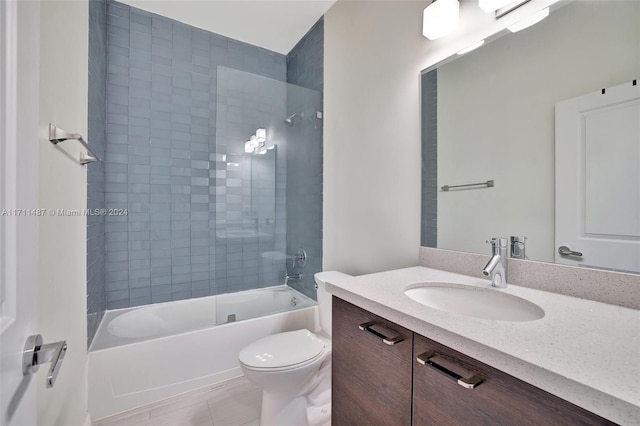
[293,369]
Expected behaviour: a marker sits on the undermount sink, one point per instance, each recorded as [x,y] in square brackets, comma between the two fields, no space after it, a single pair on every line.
[474,301]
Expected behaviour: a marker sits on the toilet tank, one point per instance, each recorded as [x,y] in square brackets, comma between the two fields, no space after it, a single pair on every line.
[324,298]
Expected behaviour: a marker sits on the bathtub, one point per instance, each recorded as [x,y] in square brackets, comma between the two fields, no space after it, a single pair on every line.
[145,354]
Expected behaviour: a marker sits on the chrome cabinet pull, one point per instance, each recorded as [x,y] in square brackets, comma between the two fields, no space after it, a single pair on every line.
[35,354]
[566,251]
[387,340]
[425,359]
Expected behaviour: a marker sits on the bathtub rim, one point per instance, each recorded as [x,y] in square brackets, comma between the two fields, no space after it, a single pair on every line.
[122,311]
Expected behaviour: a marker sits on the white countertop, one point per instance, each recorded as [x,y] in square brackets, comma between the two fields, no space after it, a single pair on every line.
[583,351]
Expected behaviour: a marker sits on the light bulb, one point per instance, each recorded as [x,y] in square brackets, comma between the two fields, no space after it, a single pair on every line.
[440,18]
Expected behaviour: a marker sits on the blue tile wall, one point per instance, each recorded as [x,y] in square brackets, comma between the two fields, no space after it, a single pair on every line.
[429,216]
[96,302]
[304,157]
[305,62]
[161,157]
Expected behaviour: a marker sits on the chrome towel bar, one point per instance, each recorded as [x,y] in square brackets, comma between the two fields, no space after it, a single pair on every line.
[57,135]
[487,184]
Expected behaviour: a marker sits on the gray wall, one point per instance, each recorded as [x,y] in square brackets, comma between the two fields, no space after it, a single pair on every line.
[429,112]
[161,158]
[304,159]
[95,171]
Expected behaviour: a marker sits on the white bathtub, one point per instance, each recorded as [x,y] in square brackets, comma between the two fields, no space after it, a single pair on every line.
[146,354]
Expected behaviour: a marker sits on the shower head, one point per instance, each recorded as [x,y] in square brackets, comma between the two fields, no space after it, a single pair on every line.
[289,120]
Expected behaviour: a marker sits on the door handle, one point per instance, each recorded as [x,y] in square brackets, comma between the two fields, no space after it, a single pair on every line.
[35,354]
[566,251]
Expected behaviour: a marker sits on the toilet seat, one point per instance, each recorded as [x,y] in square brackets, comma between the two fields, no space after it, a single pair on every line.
[286,350]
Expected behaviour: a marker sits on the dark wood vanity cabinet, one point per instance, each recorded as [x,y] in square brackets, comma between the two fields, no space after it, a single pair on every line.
[371,379]
[450,388]
[421,382]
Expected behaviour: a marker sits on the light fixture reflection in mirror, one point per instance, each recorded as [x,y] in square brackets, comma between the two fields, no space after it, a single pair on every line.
[492,5]
[529,21]
[471,48]
[491,114]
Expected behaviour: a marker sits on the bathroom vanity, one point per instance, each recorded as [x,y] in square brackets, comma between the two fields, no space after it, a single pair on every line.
[396,361]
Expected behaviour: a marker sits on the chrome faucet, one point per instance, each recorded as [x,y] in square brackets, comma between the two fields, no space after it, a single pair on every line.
[289,277]
[497,265]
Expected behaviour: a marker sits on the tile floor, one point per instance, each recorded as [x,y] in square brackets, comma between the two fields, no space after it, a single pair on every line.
[233,403]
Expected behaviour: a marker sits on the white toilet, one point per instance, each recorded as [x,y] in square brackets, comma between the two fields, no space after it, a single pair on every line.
[294,369]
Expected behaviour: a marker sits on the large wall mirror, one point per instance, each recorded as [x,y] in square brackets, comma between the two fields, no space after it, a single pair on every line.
[551,115]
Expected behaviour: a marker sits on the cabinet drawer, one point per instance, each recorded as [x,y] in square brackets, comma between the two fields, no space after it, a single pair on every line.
[499,399]
[371,379]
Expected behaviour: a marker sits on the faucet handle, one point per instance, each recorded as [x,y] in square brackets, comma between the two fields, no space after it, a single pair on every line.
[498,242]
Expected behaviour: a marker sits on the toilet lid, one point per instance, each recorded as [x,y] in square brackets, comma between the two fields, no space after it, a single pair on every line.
[282,349]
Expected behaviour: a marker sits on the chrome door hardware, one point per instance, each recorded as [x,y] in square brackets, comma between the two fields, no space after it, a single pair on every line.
[426,359]
[35,354]
[566,251]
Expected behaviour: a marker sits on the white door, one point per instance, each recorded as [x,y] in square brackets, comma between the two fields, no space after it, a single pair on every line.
[18,190]
[598,179]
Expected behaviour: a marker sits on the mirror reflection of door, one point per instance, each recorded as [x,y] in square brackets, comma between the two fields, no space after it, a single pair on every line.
[598,179]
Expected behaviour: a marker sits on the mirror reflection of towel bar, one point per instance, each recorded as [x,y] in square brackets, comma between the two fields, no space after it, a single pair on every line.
[487,184]
[57,135]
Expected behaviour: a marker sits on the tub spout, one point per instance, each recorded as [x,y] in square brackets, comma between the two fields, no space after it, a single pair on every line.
[295,277]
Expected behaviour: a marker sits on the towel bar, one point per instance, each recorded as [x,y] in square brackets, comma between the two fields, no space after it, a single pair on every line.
[57,135]
[487,184]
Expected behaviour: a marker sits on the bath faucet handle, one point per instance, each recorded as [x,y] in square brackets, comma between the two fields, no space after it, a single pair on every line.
[300,258]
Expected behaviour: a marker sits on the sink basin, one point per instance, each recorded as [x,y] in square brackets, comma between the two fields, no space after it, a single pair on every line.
[474,302]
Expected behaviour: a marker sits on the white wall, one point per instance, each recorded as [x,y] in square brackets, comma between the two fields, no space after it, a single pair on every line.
[19,180]
[374,52]
[63,184]
[371,136]
[496,120]
[273,25]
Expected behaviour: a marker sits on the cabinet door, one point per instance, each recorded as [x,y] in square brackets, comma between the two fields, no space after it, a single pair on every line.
[371,369]
[439,398]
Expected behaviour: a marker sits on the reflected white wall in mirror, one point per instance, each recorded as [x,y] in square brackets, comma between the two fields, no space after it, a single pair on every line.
[495,120]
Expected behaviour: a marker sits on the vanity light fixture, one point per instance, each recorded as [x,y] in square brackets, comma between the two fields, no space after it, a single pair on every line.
[474,46]
[440,18]
[256,143]
[529,21]
[253,141]
[492,5]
